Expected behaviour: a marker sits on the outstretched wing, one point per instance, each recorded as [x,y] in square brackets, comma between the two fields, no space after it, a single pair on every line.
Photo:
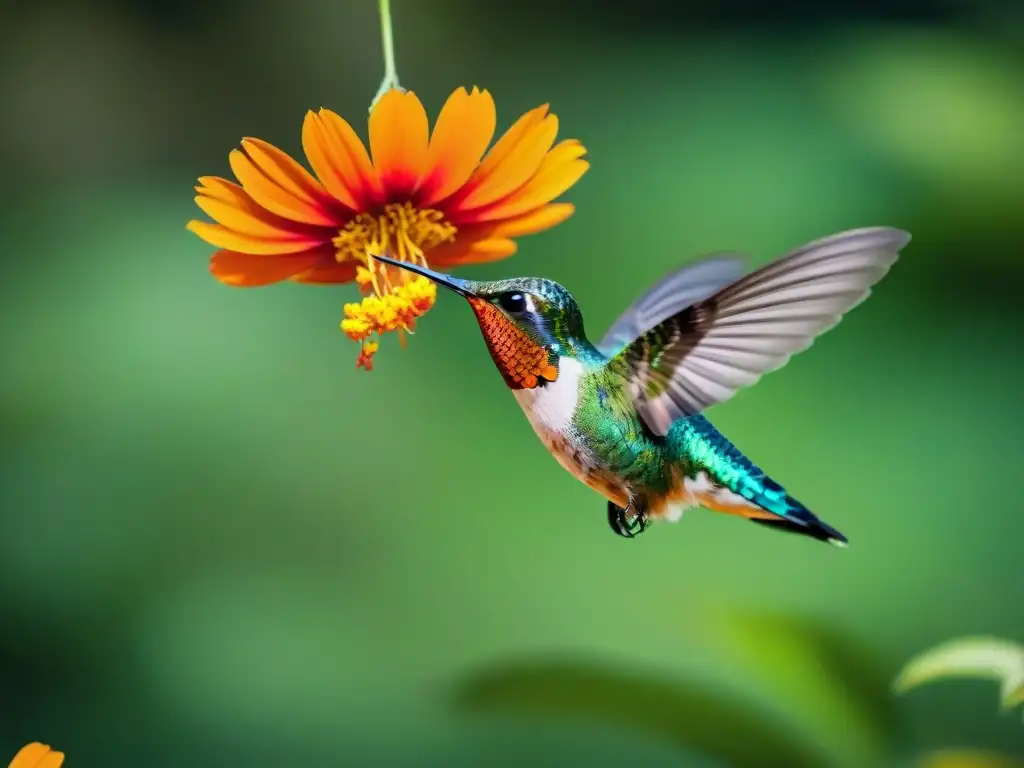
[704,353]
[673,293]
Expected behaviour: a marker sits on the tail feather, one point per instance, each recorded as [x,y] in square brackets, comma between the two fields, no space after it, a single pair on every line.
[749,491]
[799,519]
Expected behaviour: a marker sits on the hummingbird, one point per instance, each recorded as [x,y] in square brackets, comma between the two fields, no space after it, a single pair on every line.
[626,416]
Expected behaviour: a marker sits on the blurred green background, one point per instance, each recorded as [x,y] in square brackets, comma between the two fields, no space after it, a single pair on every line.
[221,542]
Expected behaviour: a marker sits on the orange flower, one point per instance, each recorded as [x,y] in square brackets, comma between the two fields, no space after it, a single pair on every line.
[36,755]
[421,198]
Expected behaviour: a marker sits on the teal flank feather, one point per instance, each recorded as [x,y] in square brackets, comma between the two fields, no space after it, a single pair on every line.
[697,443]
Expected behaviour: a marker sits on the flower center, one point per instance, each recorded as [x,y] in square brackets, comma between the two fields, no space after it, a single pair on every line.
[402,232]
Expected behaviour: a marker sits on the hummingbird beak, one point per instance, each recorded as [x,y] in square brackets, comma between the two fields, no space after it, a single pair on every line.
[462,287]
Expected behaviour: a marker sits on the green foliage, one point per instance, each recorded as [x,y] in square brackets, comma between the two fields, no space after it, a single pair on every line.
[687,714]
[834,692]
[972,657]
[823,701]
[943,104]
[967,758]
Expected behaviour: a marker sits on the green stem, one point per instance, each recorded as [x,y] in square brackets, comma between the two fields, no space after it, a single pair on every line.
[388,44]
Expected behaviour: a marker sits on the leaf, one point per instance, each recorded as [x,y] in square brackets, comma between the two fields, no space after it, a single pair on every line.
[698,718]
[829,686]
[917,78]
[986,658]
[967,758]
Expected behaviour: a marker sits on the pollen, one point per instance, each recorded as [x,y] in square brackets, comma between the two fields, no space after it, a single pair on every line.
[402,232]
[395,298]
[395,310]
[366,353]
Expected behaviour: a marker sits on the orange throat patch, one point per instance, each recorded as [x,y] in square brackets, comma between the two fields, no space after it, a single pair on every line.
[522,361]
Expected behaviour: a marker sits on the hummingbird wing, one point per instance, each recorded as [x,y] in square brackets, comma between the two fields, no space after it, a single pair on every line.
[673,293]
[704,353]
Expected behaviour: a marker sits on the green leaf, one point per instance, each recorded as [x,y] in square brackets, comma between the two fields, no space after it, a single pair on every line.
[940,102]
[831,689]
[1014,696]
[967,758]
[695,717]
[986,658]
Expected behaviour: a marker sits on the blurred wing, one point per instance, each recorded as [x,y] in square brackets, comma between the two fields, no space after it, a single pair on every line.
[673,293]
[703,354]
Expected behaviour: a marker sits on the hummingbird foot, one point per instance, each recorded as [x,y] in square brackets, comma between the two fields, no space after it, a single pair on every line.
[627,522]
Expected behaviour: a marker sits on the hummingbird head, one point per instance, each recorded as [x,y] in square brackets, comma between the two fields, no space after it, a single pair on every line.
[528,323]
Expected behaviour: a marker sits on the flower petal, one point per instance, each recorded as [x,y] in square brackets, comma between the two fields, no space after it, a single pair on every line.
[281,185]
[352,160]
[398,141]
[36,755]
[327,273]
[229,193]
[468,251]
[324,160]
[560,169]
[536,220]
[222,237]
[339,159]
[491,241]
[246,270]
[463,130]
[243,215]
[509,140]
[515,166]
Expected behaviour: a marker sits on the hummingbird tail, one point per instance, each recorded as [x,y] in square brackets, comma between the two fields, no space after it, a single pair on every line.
[799,519]
[727,481]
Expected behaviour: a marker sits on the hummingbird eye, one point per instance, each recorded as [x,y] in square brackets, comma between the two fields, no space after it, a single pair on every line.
[513,302]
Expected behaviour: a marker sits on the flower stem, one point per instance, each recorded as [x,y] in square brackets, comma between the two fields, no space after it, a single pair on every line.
[388,44]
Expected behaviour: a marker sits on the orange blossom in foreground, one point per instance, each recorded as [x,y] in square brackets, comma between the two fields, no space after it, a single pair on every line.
[36,755]
[416,196]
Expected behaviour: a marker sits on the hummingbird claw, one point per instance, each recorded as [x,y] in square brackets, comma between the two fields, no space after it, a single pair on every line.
[620,522]
[617,520]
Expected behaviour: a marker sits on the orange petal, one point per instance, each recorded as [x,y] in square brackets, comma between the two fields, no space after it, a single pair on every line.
[288,174]
[351,160]
[280,184]
[508,141]
[471,252]
[245,270]
[222,189]
[560,170]
[520,163]
[325,162]
[222,237]
[462,132]
[340,161]
[481,238]
[247,220]
[36,755]
[398,141]
[536,220]
[327,273]
[221,195]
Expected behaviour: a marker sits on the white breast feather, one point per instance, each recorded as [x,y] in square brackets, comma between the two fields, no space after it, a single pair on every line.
[551,407]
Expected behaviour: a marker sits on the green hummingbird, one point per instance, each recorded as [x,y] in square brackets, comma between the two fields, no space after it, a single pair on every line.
[626,415]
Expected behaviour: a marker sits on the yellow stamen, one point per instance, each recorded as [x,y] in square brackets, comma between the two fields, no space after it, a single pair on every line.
[364,278]
[396,310]
[404,233]
[366,353]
